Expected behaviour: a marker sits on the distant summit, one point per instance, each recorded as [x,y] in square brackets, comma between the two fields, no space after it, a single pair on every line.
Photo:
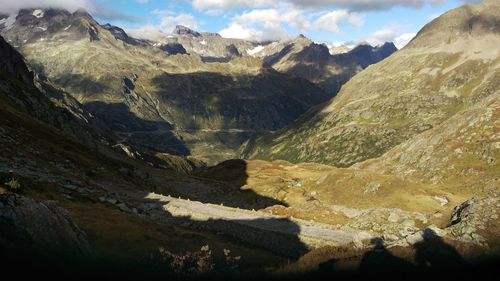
[185,31]
[301,57]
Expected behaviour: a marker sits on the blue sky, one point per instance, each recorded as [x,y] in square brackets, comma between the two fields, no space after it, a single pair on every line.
[328,21]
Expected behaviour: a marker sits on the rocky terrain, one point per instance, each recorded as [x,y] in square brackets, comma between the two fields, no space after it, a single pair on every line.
[303,58]
[414,90]
[212,47]
[398,173]
[174,96]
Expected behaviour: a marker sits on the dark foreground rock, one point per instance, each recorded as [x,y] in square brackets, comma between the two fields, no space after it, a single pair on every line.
[39,226]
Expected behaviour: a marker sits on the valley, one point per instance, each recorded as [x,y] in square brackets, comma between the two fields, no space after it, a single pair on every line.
[196,155]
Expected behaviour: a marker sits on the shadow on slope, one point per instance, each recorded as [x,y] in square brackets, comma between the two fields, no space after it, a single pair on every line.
[229,180]
[381,259]
[150,135]
[431,255]
[278,235]
[434,254]
[79,82]
[209,100]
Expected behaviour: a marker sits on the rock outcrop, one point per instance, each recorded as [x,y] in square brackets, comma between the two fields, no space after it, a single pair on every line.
[39,226]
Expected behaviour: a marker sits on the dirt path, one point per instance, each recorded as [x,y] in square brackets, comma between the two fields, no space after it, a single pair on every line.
[281,235]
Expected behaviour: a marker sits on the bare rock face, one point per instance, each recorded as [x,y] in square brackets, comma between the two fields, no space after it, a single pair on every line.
[185,31]
[476,220]
[39,226]
[173,49]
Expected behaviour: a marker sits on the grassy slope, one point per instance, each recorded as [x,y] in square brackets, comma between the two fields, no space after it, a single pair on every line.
[414,90]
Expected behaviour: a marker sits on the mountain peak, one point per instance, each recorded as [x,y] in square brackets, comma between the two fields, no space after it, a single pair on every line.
[302,39]
[185,31]
[463,23]
[82,13]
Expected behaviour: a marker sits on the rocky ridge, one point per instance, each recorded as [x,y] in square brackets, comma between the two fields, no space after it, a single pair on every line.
[388,103]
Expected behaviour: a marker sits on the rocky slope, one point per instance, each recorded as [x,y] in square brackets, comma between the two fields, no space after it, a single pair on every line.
[176,104]
[91,185]
[38,227]
[41,100]
[212,47]
[442,181]
[302,57]
[420,87]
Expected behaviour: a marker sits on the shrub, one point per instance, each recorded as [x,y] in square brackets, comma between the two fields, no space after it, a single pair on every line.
[14,185]
[198,262]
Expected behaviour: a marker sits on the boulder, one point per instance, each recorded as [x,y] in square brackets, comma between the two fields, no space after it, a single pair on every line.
[39,226]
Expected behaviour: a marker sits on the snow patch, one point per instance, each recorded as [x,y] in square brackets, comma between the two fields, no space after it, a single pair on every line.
[203,42]
[67,27]
[38,13]
[255,50]
[9,21]
[42,28]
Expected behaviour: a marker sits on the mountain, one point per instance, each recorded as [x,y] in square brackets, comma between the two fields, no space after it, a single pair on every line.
[415,139]
[55,189]
[21,89]
[159,102]
[212,47]
[416,89]
[303,58]
[416,143]
[190,94]
[340,50]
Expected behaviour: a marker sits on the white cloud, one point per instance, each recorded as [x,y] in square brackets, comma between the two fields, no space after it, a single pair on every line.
[274,18]
[170,19]
[203,5]
[266,24]
[273,23]
[10,6]
[238,31]
[167,21]
[394,33]
[149,31]
[91,6]
[353,5]
[331,21]
[403,39]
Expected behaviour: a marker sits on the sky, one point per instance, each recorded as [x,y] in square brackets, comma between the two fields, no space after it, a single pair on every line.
[334,22]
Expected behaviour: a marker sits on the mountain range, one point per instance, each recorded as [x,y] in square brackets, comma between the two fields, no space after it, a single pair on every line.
[177,96]
[121,154]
